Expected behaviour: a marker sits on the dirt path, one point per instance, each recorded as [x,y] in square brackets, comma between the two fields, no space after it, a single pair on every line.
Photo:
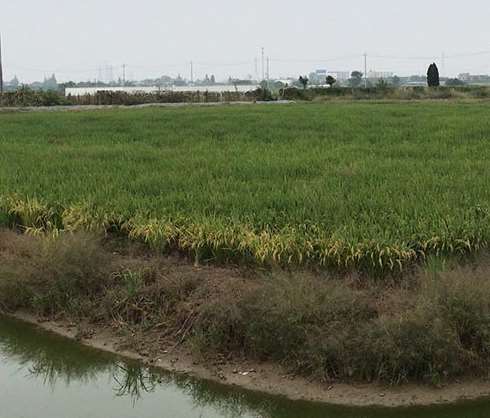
[271,379]
[77,108]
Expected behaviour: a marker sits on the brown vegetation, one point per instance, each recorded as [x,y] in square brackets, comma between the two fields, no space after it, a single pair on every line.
[25,97]
[430,326]
[386,93]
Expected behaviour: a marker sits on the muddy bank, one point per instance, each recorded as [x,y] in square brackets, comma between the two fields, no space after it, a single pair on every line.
[270,378]
[396,342]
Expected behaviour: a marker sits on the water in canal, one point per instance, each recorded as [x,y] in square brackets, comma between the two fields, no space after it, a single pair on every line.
[46,376]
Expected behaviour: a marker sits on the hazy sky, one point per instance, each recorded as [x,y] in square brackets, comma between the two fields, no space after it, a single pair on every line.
[155,37]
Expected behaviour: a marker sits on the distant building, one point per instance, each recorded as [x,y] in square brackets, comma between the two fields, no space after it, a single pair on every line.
[82,91]
[376,75]
[12,84]
[340,75]
[474,79]
[48,84]
[318,77]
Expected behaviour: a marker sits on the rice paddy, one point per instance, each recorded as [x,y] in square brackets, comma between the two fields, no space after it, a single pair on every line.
[376,186]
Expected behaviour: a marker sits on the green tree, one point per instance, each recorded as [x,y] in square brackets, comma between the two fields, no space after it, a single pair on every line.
[50,83]
[303,81]
[382,84]
[455,82]
[14,83]
[433,76]
[331,80]
[355,79]
[396,81]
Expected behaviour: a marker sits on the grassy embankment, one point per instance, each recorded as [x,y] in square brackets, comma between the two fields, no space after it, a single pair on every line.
[432,326]
[354,187]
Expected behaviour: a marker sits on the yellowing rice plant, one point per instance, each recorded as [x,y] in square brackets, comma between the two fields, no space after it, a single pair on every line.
[371,186]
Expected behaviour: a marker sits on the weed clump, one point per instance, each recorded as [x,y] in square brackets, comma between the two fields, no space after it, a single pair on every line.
[331,331]
[54,275]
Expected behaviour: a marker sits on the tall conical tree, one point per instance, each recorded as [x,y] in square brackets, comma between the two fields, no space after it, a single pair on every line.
[433,76]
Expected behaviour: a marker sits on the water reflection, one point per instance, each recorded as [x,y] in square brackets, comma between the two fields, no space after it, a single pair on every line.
[57,361]
[51,359]
[133,381]
[103,384]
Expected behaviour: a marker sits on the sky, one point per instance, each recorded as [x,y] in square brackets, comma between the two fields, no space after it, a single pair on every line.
[80,40]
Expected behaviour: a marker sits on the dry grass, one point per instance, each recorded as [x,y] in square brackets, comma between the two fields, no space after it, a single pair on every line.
[431,326]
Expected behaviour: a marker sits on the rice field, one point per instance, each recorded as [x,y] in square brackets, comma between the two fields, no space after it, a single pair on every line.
[344,185]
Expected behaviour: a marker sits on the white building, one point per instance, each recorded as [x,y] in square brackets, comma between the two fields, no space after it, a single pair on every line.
[340,75]
[379,74]
[82,91]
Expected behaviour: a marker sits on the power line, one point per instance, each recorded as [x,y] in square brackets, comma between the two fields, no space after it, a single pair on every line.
[223,64]
[347,59]
[459,55]
[469,54]
[313,60]
[392,57]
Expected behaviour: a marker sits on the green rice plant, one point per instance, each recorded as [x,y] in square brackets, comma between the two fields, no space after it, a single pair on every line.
[368,186]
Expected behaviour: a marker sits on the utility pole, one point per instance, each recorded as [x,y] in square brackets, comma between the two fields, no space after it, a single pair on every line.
[268,69]
[98,78]
[443,64]
[111,74]
[263,65]
[365,71]
[1,67]
[192,72]
[256,64]
[124,74]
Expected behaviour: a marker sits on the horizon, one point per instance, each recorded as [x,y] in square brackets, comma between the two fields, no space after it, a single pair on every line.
[77,42]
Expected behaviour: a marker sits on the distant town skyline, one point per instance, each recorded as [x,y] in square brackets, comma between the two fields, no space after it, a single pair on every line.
[80,40]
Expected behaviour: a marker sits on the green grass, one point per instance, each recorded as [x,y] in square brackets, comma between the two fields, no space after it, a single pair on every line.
[357,185]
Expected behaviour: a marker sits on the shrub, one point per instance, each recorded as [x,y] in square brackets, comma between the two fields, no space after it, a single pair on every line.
[25,96]
[59,275]
[461,298]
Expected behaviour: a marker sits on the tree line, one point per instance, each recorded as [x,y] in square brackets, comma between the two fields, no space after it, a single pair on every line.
[357,77]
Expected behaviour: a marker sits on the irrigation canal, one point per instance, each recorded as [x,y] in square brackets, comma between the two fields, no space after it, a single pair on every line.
[46,376]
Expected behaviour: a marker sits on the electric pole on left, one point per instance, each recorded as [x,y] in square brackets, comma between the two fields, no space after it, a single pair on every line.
[1,68]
